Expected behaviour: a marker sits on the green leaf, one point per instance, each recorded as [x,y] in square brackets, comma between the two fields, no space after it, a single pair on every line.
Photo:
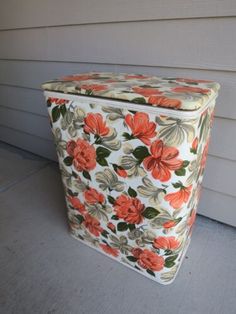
[193,151]
[132,192]
[102,152]
[86,175]
[177,185]
[139,100]
[68,161]
[56,113]
[202,127]
[132,258]
[132,111]
[122,226]
[111,200]
[180,172]
[185,163]
[102,162]
[150,272]
[169,261]
[104,233]
[141,152]
[71,193]
[131,227]
[80,218]
[63,110]
[128,136]
[150,212]
[49,103]
[114,217]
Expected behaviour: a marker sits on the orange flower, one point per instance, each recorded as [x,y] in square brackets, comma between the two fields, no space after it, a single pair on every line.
[84,155]
[92,224]
[129,208]
[169,224]
[111,226]
[194,145]
[163,159]
[121,172]
[192,80]
[150,260]
[94,87]
[70,146]
[92,196]
[136,252]
[189,89]
[146,92]
[141,127]
[95,124]
[177,199]
[136,76]
[191,218]
[204,155]
[109,250]
[166,243]
[76,203]
[163,101]
[82,77]
[58,101]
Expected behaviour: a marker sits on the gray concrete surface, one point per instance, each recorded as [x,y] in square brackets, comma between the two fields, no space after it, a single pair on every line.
[43,270]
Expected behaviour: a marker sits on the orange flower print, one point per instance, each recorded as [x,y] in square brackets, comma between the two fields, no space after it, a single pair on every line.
[136,252]
[169,224]
[150,260]
[136,76]
[111,226]
[163,101]
[121,172]
[166,243]
[84,154]
[94,124]
[141,127]
[191,218]
[129,209]
[109,250]
[94,87]
[58,101]
[92,224]
[76,203]
[177,199]
[92,196]
[184,80]
[146,92]
[204,156]
[189,89]
[82,77]
[163,159]
[194,146]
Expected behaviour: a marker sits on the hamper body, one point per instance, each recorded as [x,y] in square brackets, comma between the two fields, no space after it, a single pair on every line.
[132,176]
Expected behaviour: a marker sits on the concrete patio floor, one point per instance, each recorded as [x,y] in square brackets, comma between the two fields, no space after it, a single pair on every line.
[44,270]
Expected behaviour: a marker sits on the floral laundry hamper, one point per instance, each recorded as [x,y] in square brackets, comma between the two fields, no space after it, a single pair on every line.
[132,150]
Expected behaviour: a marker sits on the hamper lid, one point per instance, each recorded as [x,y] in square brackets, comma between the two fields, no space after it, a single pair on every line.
[169,92]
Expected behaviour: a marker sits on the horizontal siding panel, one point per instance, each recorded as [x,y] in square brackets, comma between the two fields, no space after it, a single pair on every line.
[152,43]
[28,142]
[28,100]
[28,13]
[220,175]
[218,206]
[18,104]
[26,122]
[31,74]
[222,143]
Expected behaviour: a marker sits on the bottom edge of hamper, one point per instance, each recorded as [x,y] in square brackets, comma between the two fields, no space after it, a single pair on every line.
[164,283]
